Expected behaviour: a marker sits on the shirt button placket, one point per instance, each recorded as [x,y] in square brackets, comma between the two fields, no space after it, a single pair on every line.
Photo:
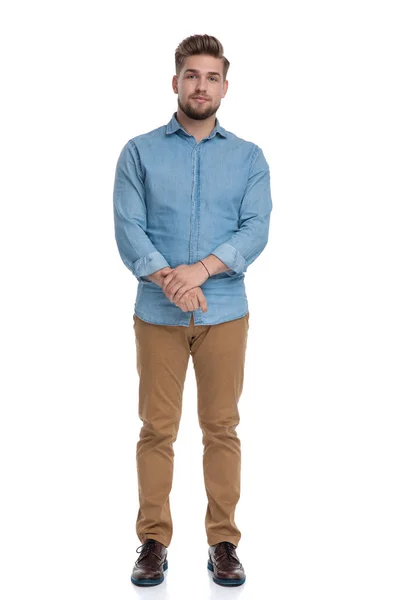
[195,205]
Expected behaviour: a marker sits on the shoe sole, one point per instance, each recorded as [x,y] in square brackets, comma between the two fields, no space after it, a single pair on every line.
[148,581]
[225,581]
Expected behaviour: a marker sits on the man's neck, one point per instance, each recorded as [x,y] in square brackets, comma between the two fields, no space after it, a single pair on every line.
[199,129]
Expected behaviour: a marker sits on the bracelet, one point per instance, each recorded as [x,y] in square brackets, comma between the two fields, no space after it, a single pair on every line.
[205,268]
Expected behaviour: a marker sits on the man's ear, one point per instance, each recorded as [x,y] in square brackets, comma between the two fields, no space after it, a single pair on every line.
[174,84]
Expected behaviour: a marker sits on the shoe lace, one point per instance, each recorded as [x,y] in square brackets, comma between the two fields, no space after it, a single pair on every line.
[147,547]
[228,547]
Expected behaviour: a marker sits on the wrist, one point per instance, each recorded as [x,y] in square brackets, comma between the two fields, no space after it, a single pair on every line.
[155,278]
[214,265]
[204,267]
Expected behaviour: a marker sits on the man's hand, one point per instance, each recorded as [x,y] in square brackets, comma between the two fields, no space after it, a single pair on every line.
[192,300]
[183,278]
[158,277]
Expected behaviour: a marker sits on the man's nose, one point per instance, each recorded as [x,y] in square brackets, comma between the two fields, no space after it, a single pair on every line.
[201,85]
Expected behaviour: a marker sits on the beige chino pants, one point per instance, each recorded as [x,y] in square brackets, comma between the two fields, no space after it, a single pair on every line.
[162,356]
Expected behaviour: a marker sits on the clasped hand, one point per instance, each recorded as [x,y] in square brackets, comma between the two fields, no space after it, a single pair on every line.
[183,278]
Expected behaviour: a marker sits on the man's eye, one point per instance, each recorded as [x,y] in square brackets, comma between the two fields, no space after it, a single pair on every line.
[212,77]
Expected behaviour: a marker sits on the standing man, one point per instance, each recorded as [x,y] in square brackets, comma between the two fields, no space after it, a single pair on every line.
[192,211]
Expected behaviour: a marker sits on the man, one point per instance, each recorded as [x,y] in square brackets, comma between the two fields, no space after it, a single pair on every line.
[192,210]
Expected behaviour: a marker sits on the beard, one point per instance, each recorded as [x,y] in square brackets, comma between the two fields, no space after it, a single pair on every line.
[199,113]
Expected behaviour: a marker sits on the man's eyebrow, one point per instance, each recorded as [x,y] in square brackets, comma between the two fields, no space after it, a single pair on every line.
[197,71]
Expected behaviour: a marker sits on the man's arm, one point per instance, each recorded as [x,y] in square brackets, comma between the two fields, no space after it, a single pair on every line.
[214,265]
[244,246]
[135,248]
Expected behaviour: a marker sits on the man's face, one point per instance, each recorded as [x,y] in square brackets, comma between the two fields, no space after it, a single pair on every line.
[201,75]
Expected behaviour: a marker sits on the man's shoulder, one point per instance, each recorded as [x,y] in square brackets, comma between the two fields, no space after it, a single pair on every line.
[243,147]
[240,141]
[149,136]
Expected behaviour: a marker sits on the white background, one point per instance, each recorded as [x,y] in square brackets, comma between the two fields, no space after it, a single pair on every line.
[320,87]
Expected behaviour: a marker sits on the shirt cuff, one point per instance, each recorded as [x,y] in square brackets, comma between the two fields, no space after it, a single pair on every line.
[231,257]
[149,264]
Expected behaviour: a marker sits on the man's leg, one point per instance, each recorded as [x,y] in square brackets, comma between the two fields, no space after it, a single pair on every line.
[162,353]
[218,353]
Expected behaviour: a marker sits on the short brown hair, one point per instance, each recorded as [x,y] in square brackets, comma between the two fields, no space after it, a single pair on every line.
[200,44]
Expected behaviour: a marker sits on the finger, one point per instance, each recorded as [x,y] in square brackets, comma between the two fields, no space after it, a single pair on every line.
[168,278]
[173,286]
[173,291]
[179,292]
[194,302]
[189,304]
[202,300]
[181,303]
[183,306]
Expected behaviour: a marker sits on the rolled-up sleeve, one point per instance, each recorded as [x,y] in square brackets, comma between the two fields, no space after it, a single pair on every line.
[245,245]
[130,216]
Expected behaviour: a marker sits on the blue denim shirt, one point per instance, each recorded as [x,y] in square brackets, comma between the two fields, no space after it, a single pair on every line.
[176,201]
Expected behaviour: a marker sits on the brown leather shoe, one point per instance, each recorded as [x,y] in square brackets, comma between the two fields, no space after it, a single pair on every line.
[152,562]
[225,564]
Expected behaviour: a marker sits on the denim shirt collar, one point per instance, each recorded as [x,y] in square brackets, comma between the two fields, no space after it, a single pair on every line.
[173,125]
